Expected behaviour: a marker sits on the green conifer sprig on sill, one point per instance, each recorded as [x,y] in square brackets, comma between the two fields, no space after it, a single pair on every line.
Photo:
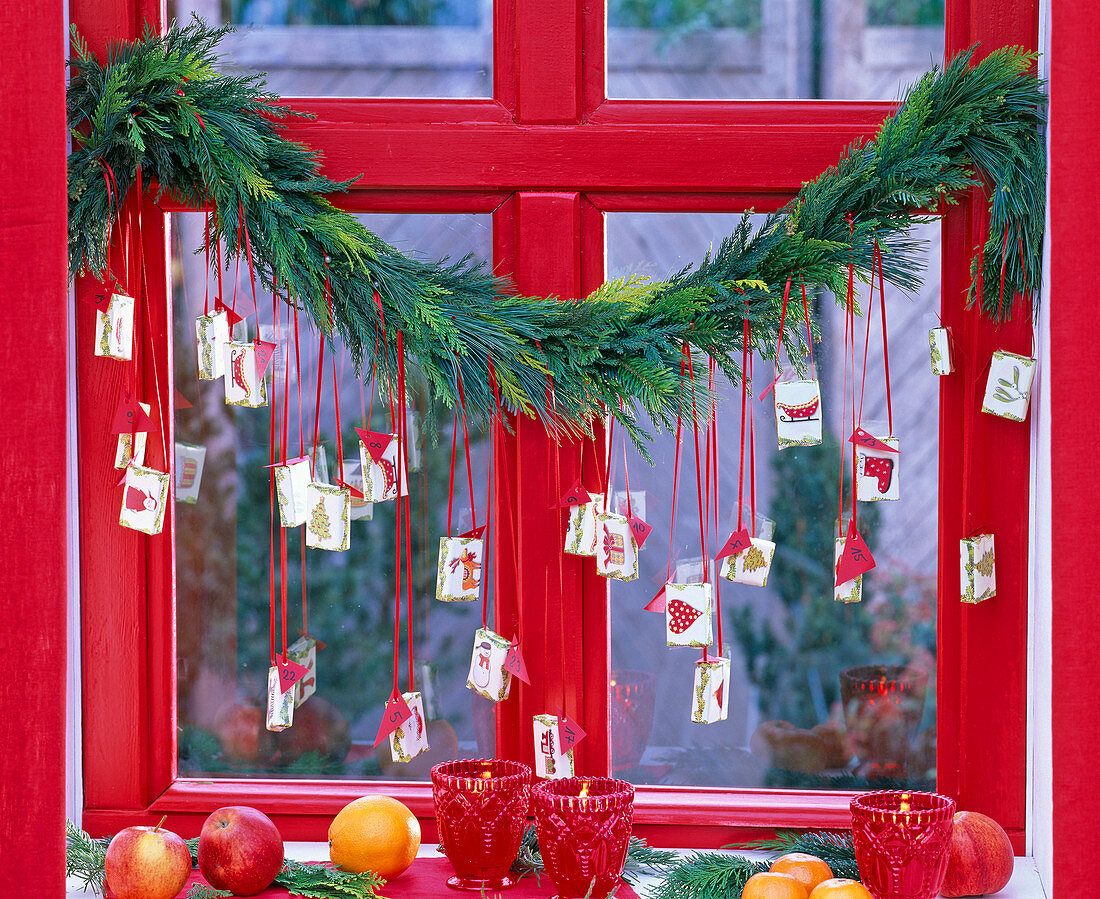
[215,141]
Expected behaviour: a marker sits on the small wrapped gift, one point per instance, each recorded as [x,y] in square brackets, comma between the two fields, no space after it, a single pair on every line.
[280,704]
[131,446]
[459,576]
[616,549]
[798,413]
[411,737]
[687,614]
[362,509]
[244,385]
[304,652]
[711,697]
[940,345]
[488,675]
[848,591]
[144,498]
[1008,390]
[878,471]
[211,336]
[580,531]
[114,334]
[292,480]
[381,475]
[751,565]
[190,460]
[329,523]
[978,568]
[550,762]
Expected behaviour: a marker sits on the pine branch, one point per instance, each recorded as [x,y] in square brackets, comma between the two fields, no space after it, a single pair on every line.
[85,857]
[708,875]
[835,849]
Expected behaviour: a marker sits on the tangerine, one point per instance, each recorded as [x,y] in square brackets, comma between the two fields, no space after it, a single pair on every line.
[773,886]
[376,834]
[841,888]
[809,869]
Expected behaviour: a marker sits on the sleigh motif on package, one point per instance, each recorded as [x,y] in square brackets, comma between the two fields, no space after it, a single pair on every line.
[804,412]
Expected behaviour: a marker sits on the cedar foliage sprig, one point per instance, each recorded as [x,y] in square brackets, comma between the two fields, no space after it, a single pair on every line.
[215,141]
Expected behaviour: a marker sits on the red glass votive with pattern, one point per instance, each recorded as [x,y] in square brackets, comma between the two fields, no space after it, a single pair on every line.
[901,840]
[481,807]
[583,826]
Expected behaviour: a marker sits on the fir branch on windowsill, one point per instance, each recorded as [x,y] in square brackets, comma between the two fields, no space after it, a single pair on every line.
[833,848]
[641,859]
[84,858]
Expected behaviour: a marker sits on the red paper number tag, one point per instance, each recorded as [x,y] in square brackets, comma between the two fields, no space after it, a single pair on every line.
[658,603]
[375,442]
[856,557]
[265,351]
[100,295]
[864,438]
[639,529]
[474,533]
[230,315]
[289,672]
[575,496]
[738,541]
[569,732]
[514,664]
[131,418]
[397,713]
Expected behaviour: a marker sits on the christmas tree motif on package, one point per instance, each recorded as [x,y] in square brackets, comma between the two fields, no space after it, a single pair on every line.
[849,591]
[550,762]
[114,334]
[144,499]
[244,385]
[798,413]
[361,508]
[687,614]
[382,470]
[280,704]
[124,455]
[616,549]
[940,345]
[190,460]
[488,675]
[329,523]
[304,652]
[1008,390]
[459,576]
[411,737]
[292,480]
[211,336]
[751,565]
[978,569]
[710,700]
[878,471]
[580,530]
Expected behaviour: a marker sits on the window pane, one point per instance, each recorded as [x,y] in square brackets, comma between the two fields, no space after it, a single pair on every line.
[356,48]
[789,723]
[223,558]
[752,49]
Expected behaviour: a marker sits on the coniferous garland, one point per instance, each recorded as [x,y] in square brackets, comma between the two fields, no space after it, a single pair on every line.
[159,106]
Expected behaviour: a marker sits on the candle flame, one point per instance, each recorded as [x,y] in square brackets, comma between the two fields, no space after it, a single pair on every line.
[904,803]
[584,790]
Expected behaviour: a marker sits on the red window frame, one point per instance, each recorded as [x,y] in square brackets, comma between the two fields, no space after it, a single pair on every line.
[548,155]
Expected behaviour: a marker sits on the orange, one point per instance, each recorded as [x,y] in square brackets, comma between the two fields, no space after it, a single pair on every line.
[804,867]
[841,888]
[773,886]
[374,833]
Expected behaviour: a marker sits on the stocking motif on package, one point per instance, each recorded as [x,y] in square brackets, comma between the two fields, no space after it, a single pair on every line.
[211,336]
[940,345]
[488,675]
[380,479]
[114,330]
[131,447]
[798,413]
[550,762]
[978,569]
[410,739]
[292,480]
[711,698]
[849,591]
[459,576]
[687,614]
[616,549]
[751,565]
[144,498]
[190,460]
[304,652]
[1008,390]
[280,704]
[244,385]
[580,531]
[878,471]
[329,522]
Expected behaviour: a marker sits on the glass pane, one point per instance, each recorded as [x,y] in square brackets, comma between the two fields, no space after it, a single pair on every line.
[223,557]
[356,48]
[790,723]
[752,49]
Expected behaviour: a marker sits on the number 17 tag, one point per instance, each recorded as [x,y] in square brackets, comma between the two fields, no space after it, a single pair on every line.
[569,732]
[397,713]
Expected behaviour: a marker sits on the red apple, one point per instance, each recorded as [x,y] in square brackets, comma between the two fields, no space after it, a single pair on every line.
[979,857]
[242,731]
[147,863]
[240,850]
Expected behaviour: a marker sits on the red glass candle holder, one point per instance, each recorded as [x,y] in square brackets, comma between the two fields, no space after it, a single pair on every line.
[632,697]
[481,807]
[901,840]
[583,826]
[883,706]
